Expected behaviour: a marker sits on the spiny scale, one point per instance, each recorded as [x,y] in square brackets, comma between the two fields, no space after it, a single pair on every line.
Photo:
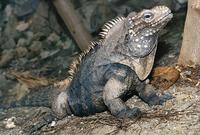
[74,65]
[109,25]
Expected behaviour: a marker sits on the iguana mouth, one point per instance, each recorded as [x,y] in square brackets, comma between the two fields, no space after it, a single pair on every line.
[168,16]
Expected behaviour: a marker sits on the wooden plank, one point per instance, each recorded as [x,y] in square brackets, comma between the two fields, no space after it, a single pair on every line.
[190,51]
[72,20]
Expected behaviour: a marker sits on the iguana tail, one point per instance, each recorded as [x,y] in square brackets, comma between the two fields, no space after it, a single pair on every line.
[41,97]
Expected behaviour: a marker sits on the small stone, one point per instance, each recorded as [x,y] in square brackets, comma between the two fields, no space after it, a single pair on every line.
[5,83]
[22,42]
[39,36]
[46,54]
[53,37]
[36,47]
[6,57]
[8,10]
[24,8]
[22,26]
[21,51]
[1,93]
[147,81]
[188,73]
[53,123]
[29,35]
[168,104]
[9,123]
[63,45]
[9,44]
[171,56]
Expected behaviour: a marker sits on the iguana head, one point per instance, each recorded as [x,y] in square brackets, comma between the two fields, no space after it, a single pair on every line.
[132,41]
[142,29]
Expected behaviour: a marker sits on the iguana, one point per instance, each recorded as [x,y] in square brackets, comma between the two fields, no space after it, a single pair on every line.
[115,68]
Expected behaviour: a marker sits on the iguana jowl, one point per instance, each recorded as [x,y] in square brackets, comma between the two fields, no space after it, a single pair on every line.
[115,67]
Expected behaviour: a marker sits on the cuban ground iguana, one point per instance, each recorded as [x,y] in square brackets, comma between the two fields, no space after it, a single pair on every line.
[115,67]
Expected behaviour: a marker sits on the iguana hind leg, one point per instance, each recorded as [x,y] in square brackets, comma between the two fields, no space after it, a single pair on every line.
[113,89]
[60,105]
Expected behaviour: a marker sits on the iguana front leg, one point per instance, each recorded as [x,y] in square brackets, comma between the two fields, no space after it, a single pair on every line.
[113,89]
[147,93]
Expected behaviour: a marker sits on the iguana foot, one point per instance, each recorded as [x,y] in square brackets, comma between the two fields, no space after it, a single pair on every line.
[159,100]
[149,95]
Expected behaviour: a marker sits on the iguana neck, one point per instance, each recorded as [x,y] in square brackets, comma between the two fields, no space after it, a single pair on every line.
[113,50]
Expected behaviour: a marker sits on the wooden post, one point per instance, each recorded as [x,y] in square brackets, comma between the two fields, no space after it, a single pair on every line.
[190,51]
[72,20]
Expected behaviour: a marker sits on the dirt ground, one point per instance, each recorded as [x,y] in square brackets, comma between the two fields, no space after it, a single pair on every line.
[179,116]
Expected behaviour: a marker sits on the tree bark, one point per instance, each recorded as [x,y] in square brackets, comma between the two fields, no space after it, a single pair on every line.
[72,20]
[190,51]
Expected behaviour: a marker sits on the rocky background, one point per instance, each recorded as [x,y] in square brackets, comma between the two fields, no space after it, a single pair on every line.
[36,49]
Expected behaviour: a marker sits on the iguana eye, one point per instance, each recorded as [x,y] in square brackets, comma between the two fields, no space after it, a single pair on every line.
[148,16]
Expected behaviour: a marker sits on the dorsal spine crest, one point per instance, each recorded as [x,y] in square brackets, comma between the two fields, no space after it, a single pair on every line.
[109,25]
[74,65]
[105,29]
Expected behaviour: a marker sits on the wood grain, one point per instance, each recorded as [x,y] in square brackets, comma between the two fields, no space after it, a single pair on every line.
[190,51]
[73,22]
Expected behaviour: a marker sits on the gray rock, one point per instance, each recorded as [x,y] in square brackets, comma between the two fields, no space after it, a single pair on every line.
[46,54]
[1,93]
[40,19]
[21,52]
[53,37]
[5,85]
[10,27]
[38,36]
[182,1]
[23,26]
[6,57]
[36,47]
[63,45]
[24,8]
[8,11]
[29,35]
[53,22]
[22,42]
[9,44]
